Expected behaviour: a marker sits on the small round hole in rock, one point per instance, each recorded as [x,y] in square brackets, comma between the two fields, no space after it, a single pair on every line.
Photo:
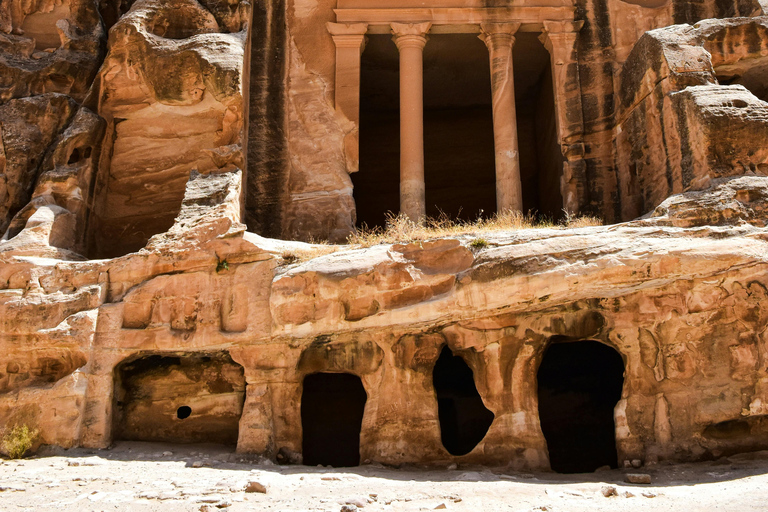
[183,412]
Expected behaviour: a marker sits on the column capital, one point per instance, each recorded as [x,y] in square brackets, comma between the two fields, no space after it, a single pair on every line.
[499,33]
[558,35]
[410,35]
[347,29]
[348,35]
[556,26]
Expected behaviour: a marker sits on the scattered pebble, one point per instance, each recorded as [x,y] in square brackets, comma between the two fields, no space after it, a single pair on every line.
[637,478]
[356,502]
[608,491]
[254,486]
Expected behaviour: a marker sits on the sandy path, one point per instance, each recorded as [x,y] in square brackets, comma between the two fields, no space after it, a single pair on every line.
[156,477]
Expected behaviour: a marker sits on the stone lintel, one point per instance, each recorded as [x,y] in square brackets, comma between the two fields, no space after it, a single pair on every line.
[456,16]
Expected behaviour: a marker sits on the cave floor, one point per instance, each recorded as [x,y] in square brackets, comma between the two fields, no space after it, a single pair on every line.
[136,476]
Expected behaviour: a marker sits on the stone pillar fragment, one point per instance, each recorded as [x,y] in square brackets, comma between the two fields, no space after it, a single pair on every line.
[500,39]
[410,40]
[350,43]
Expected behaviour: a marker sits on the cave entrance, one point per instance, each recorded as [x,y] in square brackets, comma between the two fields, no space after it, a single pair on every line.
[459,160]
[579,385]
[332,407]
[541,160]
[464,419]
[190,398]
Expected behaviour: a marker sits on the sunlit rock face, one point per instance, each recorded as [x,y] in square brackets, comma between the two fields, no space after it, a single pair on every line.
[164,164]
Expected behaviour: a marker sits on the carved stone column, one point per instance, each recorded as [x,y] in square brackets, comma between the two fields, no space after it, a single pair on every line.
[559,38]
[410,40]
[500,39]
[350,43]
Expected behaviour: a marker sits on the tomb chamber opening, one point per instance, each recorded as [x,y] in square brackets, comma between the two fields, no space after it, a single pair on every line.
[464,419]
[579,384]
[332,407]
[179,399]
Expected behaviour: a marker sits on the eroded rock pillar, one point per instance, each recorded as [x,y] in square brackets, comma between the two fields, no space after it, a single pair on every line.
[410,40]
[350,43]
[500,39]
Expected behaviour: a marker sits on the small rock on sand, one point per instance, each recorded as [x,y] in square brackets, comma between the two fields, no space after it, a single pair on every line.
[637,478]
[254,486]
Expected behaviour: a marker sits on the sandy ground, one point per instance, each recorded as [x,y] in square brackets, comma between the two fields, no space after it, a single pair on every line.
[154,477]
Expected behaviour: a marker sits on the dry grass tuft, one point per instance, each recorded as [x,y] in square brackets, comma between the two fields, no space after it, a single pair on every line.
[400,229]
[316,250]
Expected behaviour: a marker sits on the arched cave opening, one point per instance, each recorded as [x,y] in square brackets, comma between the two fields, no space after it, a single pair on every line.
[579,385]
[541,160]
[184,398]
[459,161]
[332,407]
[464,419]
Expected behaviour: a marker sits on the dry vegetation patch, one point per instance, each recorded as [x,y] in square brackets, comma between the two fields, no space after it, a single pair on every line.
[400,229]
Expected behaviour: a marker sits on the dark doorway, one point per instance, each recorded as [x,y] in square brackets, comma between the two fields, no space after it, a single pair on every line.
[579,386]
[459,161]
[332,407]
[541,160]
[459,157]
[189,398]
[377,183]
[464,419]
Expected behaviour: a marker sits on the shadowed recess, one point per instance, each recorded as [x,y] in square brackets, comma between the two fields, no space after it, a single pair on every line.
[464,419]
[190,398]
[332,407]
[579,386]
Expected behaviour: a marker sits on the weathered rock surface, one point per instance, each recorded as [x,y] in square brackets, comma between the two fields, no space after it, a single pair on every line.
[171,91]
[29,126]
[679,128]
[49,46]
